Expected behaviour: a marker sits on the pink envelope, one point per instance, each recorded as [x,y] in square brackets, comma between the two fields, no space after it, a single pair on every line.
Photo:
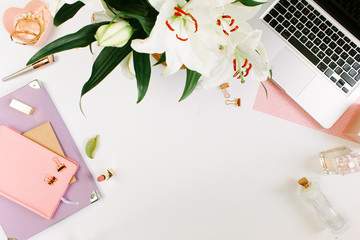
[279,104]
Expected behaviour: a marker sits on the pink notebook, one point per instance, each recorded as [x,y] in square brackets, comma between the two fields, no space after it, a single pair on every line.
[31,175]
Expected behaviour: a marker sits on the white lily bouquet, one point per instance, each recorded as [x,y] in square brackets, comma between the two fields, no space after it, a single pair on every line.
[211,38]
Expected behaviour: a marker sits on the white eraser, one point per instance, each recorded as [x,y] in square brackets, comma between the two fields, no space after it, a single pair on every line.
[2,233]
[21,107]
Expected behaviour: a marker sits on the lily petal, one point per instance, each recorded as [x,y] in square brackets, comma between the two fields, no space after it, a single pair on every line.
[160,38]
[222,73]
[127,66]
[94,5]
[100,17]
[157,4]
[208,3]
[240,12]
[173,62]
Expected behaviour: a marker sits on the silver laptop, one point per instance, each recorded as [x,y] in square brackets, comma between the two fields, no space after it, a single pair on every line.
[314,51]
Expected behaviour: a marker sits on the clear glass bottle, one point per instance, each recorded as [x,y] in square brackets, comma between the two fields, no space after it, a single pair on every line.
[341,160]
[319,203]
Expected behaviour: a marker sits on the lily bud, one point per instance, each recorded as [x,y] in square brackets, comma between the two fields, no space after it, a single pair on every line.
[115,34]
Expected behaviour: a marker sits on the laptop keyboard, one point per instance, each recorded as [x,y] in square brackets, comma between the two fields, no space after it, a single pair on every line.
[352,7]
[318,40]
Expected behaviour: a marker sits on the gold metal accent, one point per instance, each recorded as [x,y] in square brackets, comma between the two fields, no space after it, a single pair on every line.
[50,179]
[94,196]
[60,166]
[225,87]
[236,102]
[304,182]
[22,31]
[40,63]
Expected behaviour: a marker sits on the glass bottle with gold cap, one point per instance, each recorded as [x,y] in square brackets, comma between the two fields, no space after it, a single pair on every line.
[319,203]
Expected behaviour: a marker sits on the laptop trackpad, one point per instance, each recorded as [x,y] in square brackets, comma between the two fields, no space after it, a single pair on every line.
[290,72]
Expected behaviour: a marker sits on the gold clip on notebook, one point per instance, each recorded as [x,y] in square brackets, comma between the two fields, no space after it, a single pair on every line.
[31,175]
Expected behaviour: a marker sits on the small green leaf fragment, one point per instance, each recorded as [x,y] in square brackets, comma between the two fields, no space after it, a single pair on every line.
[265,89]
[91,146]
[161,60]
[250,3]
[192,78]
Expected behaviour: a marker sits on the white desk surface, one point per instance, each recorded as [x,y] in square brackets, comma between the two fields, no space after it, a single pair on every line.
[196,170]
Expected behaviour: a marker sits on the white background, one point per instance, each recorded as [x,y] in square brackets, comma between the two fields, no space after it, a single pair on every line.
[193,170]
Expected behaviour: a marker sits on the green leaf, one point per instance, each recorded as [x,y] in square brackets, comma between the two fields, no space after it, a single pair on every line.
[192,78]
[250,3]
[90,49]
[81,38]
[161,60]
[140,7]
[107,60]
[91,146]
[66,12]
[146,22]
[141,10]
[142,68]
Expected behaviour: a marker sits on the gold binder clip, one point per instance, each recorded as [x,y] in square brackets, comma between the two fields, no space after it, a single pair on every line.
[236,102]
[225,87]
[60,166]
[50,179]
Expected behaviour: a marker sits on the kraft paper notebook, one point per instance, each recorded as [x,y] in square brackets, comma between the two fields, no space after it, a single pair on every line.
[17,221]
[31,175]
[45,136]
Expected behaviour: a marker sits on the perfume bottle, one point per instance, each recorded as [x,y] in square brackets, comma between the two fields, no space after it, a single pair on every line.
[341,160]
[319,203]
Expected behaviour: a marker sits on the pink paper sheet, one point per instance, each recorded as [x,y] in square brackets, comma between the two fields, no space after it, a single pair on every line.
[280,105]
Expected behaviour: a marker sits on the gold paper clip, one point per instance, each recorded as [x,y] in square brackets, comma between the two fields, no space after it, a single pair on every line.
[60,166]
[224,87]
[236,102]
[50,179]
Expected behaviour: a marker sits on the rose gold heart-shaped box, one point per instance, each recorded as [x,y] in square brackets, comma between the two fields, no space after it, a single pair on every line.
[30,25]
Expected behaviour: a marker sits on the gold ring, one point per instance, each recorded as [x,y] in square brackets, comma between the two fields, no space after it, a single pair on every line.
[17,32]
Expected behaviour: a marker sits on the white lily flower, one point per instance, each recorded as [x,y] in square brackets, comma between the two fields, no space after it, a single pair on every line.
[184,30]
[249,59]
[233,25]
[241,54]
